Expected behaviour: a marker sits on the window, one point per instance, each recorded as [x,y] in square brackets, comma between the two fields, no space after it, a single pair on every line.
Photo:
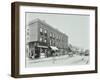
[27,33]
[60,38]
[50,42]
[41,30]
[53,35]
[27,50]
[57,37]
[45,41]
[50,34]
[53,41]
[27,38]
[45,31]
[41,39]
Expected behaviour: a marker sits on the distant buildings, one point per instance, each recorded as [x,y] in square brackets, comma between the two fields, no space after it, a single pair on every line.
[43,39]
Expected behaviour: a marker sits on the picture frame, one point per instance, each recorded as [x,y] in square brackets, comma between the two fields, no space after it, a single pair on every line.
[24,12]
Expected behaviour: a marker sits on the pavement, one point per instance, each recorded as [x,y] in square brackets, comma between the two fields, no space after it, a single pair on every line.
[58,61]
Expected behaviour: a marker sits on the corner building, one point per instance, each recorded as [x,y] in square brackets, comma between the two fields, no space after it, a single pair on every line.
[43,38]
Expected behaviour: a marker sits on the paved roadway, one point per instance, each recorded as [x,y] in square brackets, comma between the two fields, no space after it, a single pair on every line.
[59,61]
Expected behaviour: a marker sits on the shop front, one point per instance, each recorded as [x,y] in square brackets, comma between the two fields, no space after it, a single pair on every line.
[36,50]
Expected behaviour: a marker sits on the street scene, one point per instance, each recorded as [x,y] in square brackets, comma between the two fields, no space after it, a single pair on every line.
[59,61]
[49,46]
[73,56]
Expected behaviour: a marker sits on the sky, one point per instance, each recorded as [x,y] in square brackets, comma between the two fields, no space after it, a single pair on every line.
[75,26]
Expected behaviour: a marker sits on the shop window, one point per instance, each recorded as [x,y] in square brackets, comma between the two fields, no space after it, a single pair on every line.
[27,50]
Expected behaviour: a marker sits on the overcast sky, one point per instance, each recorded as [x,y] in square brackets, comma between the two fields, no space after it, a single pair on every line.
[75,26]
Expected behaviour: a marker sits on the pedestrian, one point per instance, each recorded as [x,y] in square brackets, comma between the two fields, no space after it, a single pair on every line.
[54,59]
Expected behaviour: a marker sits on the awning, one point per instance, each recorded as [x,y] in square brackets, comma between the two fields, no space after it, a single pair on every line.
[42,46]
[54,48]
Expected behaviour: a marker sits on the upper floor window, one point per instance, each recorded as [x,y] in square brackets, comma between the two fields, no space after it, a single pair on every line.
[45,31]
[27,33]
[50,42]
[41,39]
[50,34]
[27,29]
[27,38]
[53,35]
[60,37]
[45,40]
[41,30]
[57,37]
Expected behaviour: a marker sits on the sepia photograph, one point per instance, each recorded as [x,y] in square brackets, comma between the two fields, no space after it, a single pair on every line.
[56,39]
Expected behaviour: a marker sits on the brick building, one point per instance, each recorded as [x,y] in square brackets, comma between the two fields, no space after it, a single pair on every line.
[43,38]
